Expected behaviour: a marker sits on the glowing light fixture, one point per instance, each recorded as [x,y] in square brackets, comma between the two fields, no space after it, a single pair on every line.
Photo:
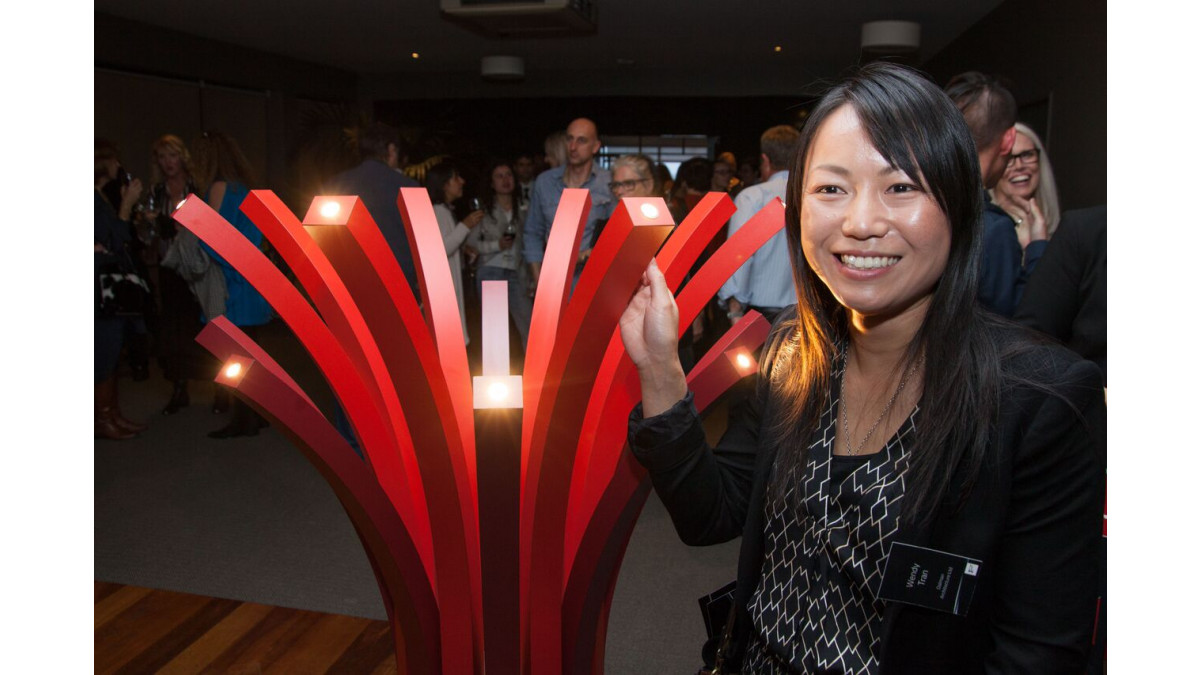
[743,361]
[778,48]
[330,209]
[497,391]
[649,210]
[234,370]
[415,55]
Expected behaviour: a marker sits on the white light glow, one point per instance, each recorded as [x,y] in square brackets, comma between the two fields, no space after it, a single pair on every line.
[497,391]
[649,210]
[330,209]
[233,370]
[743,361]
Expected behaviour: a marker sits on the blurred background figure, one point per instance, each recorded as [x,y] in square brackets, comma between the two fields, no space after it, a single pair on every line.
[180,315]
[445,186]
[663,175]
[223,177]
[747,173]
[525,170]
[692,182]
[635,176]
[377,182]
[1027,191]
[556,149]
[498,243]
[724,167]
[113,235]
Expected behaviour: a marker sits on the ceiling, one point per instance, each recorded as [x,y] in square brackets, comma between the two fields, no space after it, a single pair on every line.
[713,47]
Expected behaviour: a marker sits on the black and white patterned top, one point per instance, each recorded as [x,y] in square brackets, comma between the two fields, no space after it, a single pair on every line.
[815,609]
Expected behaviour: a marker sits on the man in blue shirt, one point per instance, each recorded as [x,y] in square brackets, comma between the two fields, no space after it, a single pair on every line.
[764,282]
[991,112]
[583,142]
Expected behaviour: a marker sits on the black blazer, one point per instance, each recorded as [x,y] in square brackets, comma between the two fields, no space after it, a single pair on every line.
[1033,518]
[1067,295]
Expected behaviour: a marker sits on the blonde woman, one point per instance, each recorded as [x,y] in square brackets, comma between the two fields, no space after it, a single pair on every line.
[1027,192]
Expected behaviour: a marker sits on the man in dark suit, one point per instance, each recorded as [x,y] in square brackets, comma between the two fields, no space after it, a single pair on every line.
[1067,296]
[377,181]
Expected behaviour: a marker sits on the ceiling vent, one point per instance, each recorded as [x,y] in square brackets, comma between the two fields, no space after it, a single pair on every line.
[523,18]
[891,37]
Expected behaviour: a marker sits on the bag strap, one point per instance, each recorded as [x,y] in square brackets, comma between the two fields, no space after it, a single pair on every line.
[725,644]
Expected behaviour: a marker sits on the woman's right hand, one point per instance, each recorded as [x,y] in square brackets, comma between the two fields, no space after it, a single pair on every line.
[1031,224]
[650,331]
[473,219]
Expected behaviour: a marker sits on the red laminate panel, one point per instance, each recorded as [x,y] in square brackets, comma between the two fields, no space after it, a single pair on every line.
[608,433]
[407,591]
[327,353]
[630,239]
[593,575]
[550,301]
[675,259]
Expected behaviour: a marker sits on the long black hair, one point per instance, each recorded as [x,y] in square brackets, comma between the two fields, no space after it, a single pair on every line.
[919,131]
[436,178]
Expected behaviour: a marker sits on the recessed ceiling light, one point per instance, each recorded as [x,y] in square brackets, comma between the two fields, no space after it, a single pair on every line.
[778,49]
[416,55]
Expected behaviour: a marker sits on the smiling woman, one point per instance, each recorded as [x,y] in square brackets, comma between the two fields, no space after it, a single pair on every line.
[903,441]
[1028,190]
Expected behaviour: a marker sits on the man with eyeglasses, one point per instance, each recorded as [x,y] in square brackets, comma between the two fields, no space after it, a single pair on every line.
[991,113]
[583,142]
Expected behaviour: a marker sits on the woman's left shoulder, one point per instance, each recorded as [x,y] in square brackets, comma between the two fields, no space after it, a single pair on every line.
[1040,376]
[1030,357]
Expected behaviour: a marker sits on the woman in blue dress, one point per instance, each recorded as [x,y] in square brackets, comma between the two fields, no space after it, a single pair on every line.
[223,175]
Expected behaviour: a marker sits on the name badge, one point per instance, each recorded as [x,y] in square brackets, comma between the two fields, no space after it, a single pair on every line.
[929,578]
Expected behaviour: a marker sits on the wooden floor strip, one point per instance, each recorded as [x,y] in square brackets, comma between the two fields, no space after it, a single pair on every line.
[200,654]
[139,626]
[167,647]
[112,604]
[140,630]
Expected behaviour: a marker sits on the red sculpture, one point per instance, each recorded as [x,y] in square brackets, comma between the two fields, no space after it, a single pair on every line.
[494,510]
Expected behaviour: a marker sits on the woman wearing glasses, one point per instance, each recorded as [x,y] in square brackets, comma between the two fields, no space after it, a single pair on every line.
[633,176]
[1027,193]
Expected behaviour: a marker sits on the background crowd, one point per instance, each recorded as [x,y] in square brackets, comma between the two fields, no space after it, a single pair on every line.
[495,228]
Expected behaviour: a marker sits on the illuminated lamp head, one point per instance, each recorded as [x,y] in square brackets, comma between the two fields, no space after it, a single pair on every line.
[497,391]
[743,361]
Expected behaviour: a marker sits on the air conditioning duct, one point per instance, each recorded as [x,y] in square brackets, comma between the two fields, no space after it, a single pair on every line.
[523,18]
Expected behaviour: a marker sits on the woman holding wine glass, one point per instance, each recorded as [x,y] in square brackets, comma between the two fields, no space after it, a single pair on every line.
[498,242]
[445,187]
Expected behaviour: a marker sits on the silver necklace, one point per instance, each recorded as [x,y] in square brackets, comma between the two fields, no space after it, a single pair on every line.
[846,420]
